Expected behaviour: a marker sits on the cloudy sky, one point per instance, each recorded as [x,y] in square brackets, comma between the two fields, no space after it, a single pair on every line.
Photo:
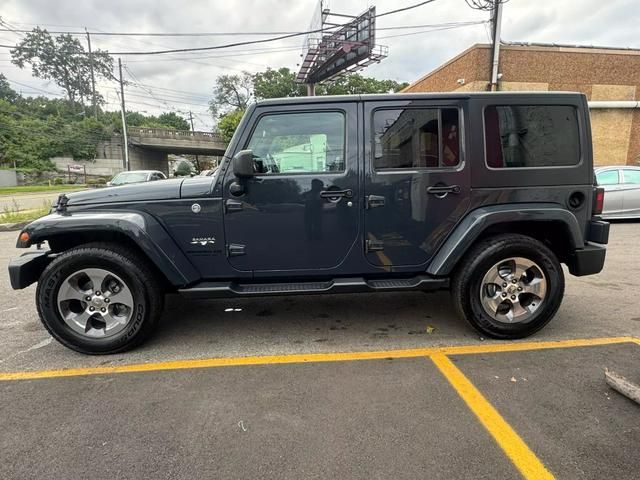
[183,82]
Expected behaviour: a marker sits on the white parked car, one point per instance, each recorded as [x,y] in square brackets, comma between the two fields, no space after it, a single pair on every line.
[136,176]
[622,191]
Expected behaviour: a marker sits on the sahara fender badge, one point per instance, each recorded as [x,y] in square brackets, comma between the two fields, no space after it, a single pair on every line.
[195,208]
[203,241]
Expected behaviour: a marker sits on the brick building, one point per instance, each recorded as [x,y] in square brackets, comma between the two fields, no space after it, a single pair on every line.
[610,78]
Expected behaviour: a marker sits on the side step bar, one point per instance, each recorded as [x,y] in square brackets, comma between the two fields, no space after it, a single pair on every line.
[338,285]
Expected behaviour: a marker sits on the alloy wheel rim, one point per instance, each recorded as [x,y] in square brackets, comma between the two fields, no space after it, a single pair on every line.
[95,303]
[513,290]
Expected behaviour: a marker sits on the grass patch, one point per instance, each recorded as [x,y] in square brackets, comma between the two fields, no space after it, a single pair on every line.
[39,188]
[13,215]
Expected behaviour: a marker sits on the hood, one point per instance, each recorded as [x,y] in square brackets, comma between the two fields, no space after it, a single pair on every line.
[135,192]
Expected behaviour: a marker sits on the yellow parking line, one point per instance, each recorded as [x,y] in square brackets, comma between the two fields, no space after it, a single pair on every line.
[312,357]
[513,446]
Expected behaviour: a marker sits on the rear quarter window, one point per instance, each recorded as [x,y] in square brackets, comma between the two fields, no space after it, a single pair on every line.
[531,136]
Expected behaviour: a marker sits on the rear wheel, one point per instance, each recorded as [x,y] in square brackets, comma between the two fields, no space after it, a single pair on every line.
[99,299]
[508,286]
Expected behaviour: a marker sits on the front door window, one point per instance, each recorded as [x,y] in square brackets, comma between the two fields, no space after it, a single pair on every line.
[299,143]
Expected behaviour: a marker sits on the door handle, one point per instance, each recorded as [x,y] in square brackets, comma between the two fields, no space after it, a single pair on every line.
[335,194]
[232,206]
[441,191]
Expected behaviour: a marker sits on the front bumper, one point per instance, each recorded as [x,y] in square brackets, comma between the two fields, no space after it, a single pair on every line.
[26,269]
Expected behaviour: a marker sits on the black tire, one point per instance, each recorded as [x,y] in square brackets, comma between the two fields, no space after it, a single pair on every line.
[143,283]
[467,284]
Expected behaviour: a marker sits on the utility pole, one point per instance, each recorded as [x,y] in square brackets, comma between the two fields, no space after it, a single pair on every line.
[193,130]
[93,78]
[496,22]
[124,119]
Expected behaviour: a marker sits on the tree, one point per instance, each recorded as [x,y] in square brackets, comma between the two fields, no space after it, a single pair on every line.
[183,170]
[62,59]
[173,120]
[359,85]
[281,83]
[276,84]
[228,123]
[231,92]
[6,92]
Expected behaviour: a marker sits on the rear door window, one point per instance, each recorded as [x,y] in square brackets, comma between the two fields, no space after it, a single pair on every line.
[416,138]
[530,136]
[632,176]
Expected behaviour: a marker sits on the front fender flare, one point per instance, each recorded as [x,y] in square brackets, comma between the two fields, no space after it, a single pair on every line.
[477,221]
[142,228]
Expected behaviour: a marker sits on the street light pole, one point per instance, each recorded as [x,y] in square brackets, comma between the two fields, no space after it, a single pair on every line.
[124,119]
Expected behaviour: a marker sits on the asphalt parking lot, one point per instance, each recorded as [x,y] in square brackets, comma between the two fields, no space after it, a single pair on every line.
[368,386]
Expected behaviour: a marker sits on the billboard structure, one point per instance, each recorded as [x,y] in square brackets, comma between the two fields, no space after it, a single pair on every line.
[336,49]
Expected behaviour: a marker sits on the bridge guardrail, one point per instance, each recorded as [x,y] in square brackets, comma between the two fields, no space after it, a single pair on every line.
[168,133]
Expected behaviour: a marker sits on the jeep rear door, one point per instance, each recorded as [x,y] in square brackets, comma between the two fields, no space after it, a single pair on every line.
[299,213]
[416,185]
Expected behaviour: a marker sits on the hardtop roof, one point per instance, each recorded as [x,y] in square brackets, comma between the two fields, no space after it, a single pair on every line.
[405,96]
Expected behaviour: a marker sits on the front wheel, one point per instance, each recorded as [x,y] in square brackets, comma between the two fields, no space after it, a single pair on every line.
[99,299]
[508,286]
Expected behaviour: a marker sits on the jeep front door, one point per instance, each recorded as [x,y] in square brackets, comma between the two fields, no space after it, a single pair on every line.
[299,211]
[416,184]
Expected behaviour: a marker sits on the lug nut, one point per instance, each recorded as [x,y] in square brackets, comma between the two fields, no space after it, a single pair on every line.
[504,294]
[504,284]
[106,300]
[88,299]
[512,281]
[513,297]
[519,289]
[103,309]
[98,292]
[91,309]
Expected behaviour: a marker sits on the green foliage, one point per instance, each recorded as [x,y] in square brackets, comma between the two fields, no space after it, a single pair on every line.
[231,92]
[173,120]
[359,85]
[183,170]
[276,84]
[6,92]
[62,59]
[36,129]
[281,83]
[228,123]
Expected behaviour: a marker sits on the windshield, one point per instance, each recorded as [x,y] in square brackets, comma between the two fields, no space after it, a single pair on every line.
[129,177]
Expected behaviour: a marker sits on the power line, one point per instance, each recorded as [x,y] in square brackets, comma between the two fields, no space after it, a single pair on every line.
[97,32]
[253,42]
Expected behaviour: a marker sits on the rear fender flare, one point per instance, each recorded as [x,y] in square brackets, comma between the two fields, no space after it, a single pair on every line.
[477,221]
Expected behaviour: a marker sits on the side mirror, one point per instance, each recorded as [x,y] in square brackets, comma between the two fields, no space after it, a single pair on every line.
[243,164]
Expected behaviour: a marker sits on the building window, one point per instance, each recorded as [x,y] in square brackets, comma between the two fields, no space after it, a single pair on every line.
[288,143]
[519,136]
[416,138]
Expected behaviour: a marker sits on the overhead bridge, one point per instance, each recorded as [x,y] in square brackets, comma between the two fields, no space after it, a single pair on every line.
[177,141]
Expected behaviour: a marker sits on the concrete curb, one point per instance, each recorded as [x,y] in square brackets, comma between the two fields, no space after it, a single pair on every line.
[10,227]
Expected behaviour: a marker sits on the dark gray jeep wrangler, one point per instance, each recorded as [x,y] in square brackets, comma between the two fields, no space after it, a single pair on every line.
[485,194]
